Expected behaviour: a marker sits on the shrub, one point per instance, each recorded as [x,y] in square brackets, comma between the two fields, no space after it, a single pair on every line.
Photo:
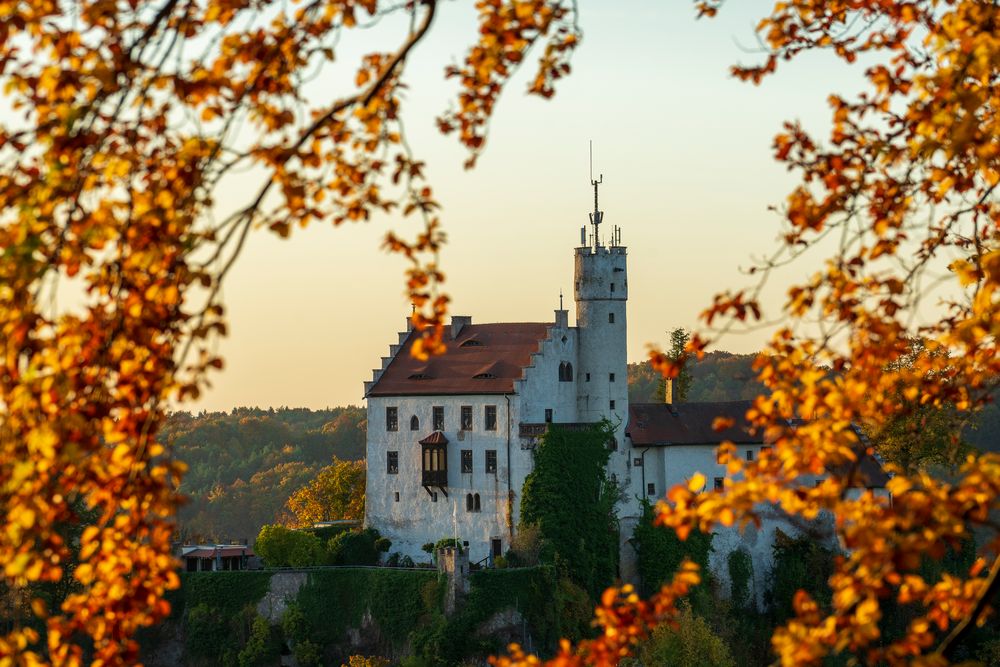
[283,547]
[357,547]
[692,644]
[263,647]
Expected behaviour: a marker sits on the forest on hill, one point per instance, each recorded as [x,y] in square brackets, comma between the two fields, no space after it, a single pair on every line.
[244,464]
[719,376]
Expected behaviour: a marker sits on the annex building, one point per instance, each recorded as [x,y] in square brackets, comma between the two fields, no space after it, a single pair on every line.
[451,440]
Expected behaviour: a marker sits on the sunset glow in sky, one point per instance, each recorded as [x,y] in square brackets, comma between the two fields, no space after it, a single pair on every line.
[685,151]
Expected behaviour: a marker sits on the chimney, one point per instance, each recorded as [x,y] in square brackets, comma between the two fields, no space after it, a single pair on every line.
[457,322]
[668,391]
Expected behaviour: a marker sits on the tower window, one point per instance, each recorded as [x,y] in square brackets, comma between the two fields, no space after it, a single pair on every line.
[397,496]
[612,287]
[391,419]
[611,318]
[612,405]
[588,377]
[548,415]
[611,377]
[565,371]
[437,413]
[490,418]
[392,463]
[491,461]
[434,496]
[414,423]
[651,489]
[466,417]
[476,506]
[466,460]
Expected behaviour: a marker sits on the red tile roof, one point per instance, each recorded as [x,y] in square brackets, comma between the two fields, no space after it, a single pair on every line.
[688,423]
[224,552]
[660,424]
[482,359]
[435,438]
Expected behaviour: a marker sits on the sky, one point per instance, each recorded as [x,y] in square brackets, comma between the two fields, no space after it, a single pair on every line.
[685,153]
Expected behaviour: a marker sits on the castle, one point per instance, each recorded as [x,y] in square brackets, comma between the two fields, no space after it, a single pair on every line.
[450,440]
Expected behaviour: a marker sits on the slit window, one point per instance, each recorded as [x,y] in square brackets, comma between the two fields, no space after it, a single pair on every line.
[611,318]
[466,460]
[612,405]
[437,414]
[391,419]
[491,461]
[397,496]
[490,418]
[392,463]
[611,377]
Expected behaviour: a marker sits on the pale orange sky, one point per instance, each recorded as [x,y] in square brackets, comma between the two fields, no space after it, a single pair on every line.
[688,176]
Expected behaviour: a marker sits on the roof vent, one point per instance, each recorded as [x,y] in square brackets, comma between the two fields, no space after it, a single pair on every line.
[485,376]
[472,342]
[420,376]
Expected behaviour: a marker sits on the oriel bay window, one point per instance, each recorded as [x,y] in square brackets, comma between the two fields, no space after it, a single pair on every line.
[434,460]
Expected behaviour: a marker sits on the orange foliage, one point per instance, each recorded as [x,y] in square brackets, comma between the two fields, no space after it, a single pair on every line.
[130,115]
[908,183]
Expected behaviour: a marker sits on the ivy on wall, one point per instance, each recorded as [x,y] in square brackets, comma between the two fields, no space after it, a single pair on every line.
[569,496]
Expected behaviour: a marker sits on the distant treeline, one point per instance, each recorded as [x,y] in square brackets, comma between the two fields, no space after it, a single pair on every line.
[243,465]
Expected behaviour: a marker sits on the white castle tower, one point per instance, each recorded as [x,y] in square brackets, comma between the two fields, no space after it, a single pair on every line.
[601,292]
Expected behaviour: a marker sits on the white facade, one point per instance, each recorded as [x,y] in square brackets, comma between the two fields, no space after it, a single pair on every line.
[576,374]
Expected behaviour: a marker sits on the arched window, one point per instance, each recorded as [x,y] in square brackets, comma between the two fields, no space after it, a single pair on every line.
[562,371]
[569,372]
[475,499]
[468,502]
[414,423]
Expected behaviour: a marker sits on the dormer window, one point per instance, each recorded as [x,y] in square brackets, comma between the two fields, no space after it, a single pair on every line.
[472,342]
[484,376]
[420,376]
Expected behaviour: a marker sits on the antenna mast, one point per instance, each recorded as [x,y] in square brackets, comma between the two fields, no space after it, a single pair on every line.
[597,216]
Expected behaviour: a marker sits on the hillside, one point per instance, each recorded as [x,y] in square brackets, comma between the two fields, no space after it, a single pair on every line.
[719,376]
[243,465]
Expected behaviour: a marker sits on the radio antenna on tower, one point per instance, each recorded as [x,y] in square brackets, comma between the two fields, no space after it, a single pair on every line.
[597,216]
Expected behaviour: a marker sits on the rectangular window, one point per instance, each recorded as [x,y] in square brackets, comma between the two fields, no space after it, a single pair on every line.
[397,496]
[612,287]
[611,377]
[491,461]
[637,462]
[611,318]
[437,413]
[392,463]
[391,419]
[466,460]
[612,405]
[548,415]
[718,484]
[466,417]
[749,455]
[588,377]
[490,418]
[651,489]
